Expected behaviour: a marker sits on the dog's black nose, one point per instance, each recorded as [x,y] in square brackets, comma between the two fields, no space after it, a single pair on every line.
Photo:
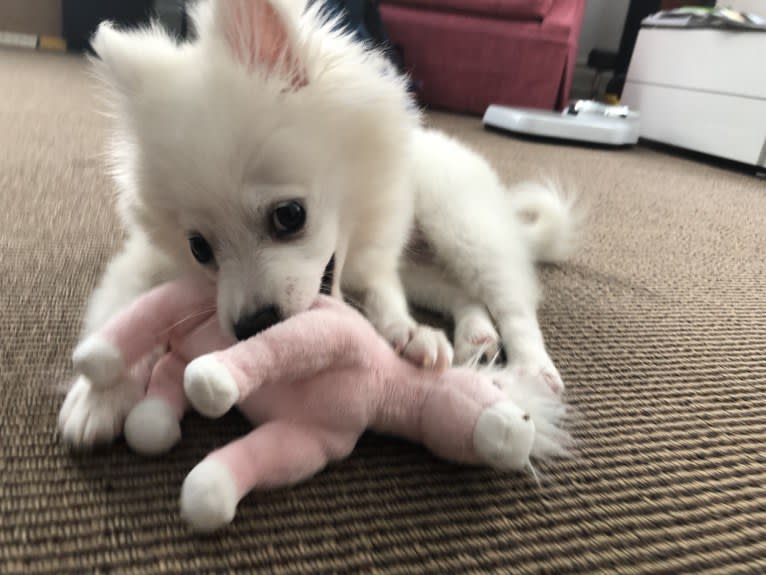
[252,324]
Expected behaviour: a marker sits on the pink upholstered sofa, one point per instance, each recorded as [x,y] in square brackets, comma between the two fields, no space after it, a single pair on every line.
[466,54]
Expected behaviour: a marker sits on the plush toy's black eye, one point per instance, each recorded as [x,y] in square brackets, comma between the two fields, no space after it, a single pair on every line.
[288,218]
[200,249]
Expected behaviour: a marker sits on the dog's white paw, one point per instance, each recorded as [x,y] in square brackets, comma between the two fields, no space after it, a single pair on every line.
[99,361]
[543,372]
[503,436]
[92,416]
[398,334]
[209,387]
[420,344]
[475,339]
[152,427]
[429,348]
[208,496]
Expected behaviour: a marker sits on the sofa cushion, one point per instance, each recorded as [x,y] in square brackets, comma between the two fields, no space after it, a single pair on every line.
[516,9]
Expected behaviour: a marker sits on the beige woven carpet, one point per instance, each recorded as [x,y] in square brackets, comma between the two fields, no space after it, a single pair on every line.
[659,326]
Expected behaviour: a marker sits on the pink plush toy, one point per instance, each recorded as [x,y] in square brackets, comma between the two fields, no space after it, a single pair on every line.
[311,385]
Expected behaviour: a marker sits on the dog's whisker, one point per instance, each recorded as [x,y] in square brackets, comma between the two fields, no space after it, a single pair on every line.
[354,302]
[533,472]
[416,252]
[493,362]
[192,316]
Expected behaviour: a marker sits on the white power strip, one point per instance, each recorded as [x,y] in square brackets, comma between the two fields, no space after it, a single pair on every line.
[18,40]
[584,121]
[48,43]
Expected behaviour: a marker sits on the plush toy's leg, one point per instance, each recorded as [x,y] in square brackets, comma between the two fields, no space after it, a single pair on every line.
[547,410]
[503,436]
[469,420]
[275,454]
[152,427]
[145,324]
[296,349]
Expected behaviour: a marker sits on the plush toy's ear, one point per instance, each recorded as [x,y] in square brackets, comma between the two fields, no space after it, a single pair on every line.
[132,58]
[261,35]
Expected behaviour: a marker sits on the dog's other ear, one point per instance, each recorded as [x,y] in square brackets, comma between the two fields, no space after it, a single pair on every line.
[261,35]
[131,59]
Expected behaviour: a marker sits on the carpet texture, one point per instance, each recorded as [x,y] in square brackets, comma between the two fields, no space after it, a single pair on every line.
[658,326]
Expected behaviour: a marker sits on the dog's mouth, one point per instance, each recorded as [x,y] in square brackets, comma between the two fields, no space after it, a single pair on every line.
[327,277]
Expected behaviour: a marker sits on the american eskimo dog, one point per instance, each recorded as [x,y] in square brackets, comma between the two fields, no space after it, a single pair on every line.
[273,146]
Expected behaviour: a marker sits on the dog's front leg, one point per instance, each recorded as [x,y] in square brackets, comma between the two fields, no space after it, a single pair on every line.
[91,415]
[385,305]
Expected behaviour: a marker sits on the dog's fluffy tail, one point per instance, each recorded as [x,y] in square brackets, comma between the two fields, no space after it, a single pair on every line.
[550,219]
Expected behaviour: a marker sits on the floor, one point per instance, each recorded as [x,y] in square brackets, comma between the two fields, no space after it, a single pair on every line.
[658,326]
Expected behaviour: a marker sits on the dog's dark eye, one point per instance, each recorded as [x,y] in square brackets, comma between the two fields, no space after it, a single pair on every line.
[200,249]
[288,218]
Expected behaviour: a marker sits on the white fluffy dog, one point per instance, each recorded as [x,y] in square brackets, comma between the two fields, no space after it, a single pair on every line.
[274,144]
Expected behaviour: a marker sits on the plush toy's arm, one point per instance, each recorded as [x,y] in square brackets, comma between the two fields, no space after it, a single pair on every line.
[145,324]
[329,336]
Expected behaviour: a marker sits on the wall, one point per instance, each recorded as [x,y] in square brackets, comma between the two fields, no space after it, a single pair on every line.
[38,17]
[754,6]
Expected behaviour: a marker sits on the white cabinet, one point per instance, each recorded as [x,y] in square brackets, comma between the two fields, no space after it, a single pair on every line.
[704,90]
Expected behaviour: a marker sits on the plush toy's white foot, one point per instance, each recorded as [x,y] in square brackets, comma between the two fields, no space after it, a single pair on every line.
[532,393]
[99,361]
[503,436]
[208,497]
[92,416]
[151,427]
[209,387]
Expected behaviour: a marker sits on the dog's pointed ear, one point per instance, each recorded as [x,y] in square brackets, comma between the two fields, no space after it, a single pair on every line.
[118,55]
[261,35]
[131,58]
